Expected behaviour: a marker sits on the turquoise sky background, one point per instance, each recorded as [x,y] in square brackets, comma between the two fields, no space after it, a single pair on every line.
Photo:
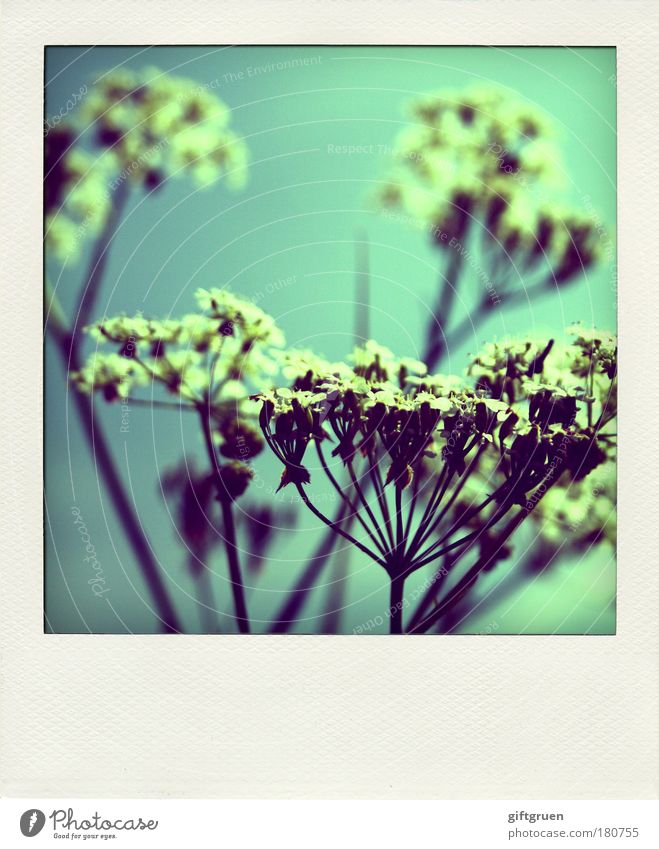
[288,240]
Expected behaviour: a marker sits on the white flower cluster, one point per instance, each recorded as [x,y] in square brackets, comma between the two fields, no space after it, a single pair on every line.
[484,155]
[133,129]
[215,355]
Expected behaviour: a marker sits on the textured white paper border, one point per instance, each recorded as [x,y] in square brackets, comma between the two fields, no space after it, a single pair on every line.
[442,717]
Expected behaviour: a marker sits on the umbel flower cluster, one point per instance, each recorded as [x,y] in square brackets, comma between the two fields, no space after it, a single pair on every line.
[209,360]
[428,468]
[481,156]
[149,127]
[409,443]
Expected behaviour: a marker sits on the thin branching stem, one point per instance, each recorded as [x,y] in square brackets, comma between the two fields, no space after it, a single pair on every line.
[467,327]
[344,497]
[441,485]
[335,526]
[381,495]
[367,507]
[205,597]
[164,405]
[396,604]
[400,540]
[330,622]
[235,575]
[125,509]
[229,537]
[439,321]
[55,320]
[69,345]
[463,520]
[432,591]
[423,560]
[412,501]
[467,581]
[91,287]
[457,489]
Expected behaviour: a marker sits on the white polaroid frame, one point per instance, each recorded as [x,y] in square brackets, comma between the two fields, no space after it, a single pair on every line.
[321,717]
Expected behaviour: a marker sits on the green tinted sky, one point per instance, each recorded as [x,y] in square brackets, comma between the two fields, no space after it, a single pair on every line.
[288,240]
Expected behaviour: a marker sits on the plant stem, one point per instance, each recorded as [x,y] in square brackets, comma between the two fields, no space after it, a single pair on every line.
[205,599]
[91,287]
[434,520]
[307,581]
[336,527]
[400,540]
[467,326]
[412,503]
[124,508]
[237,586]
[396,604]
[381,495]
[362,285]
[164,405]
[439,490]
[432,591]
[54,317]
[467,581]
[354,509]
[364,501]
[69,344]
[335,602]
[231,548]
[436,344]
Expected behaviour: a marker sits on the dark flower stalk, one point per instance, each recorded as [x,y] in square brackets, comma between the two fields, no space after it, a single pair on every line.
[69,346]
[225,495]
[436,340]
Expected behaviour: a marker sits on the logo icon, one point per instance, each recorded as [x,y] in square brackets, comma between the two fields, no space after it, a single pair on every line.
[32,821]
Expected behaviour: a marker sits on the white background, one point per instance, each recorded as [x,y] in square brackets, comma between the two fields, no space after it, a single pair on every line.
[326,825]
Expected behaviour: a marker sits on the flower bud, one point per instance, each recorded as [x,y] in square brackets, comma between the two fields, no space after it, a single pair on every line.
[234,480]
[241,441]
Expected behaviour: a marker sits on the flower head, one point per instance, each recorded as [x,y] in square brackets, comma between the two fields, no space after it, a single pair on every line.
[366,414]
[482,155]
[210,360]
[135,129]
[158,124]
[513,410]
[113,374]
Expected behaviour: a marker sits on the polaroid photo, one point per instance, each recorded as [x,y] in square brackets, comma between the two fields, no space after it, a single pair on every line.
[327,387]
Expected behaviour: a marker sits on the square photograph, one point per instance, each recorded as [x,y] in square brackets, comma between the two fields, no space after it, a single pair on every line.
[330,340]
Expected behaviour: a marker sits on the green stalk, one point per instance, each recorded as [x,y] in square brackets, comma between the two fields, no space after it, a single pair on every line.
[396,604]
